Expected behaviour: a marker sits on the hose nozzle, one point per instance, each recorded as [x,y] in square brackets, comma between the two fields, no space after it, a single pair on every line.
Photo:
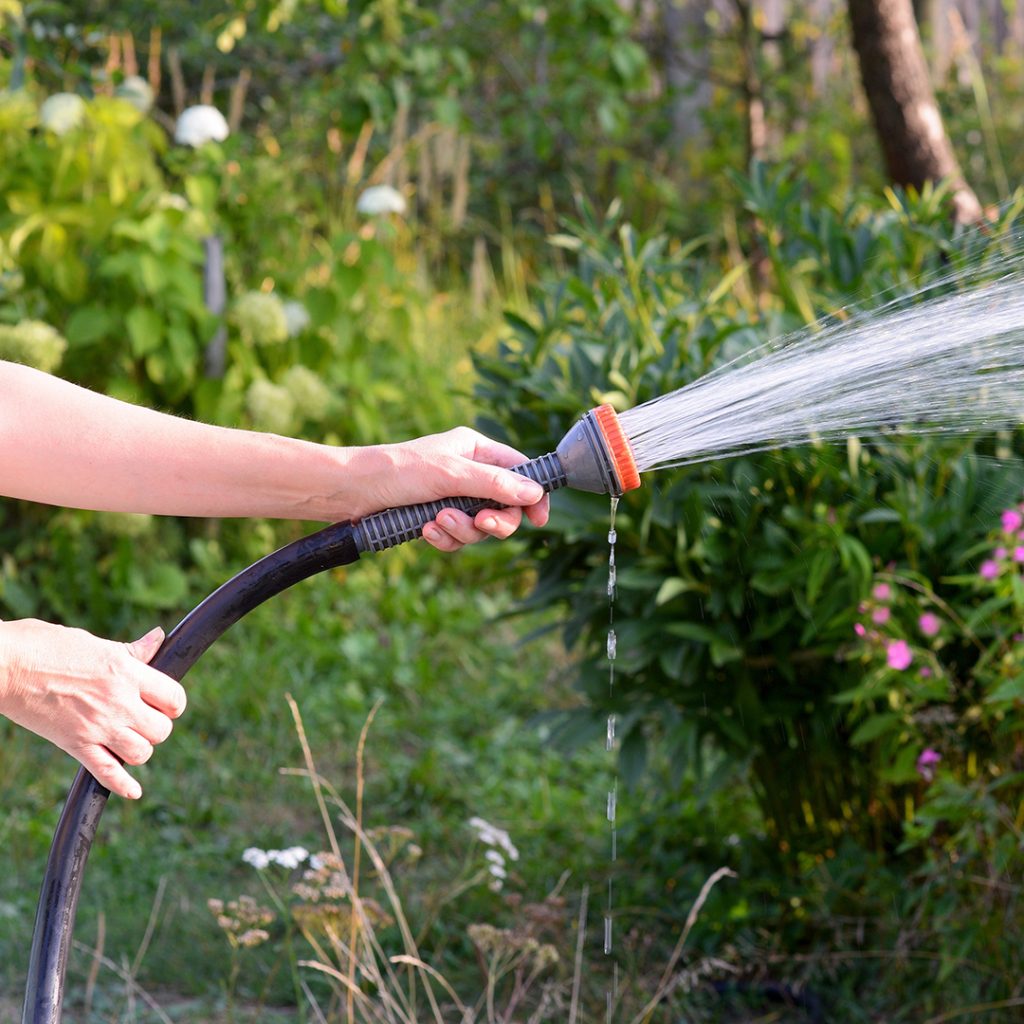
[594,456]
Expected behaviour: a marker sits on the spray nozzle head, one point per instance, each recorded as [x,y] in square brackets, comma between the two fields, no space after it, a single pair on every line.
[596,454]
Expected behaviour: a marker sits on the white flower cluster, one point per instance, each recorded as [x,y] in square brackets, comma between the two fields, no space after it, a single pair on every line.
[33,343]
[270,406]
[260,318]
[501,847]
[62,112]
[312,397]
[380,199]
[290,858]
[199,125]
[137,91]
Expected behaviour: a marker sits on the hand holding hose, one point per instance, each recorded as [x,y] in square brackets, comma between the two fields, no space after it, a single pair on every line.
[458,463]
[98,700]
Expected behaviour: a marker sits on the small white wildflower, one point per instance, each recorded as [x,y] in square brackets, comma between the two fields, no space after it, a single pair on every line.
[498,870]
[494,857]
[137,91]
[290,858]
[732,840]
[296,317]
[62,112]
[491,835]
[200,124]
[379,199]
[316,862]
[257,858]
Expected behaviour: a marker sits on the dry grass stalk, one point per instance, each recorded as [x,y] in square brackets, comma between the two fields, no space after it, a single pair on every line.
[206,88]
[153,61]
[177,80]
[236,103]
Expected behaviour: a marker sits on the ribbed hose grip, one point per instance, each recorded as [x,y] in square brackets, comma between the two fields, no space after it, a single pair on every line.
[395,526]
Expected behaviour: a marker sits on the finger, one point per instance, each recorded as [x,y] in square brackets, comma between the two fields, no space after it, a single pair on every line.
[146,647]
[128,745]
[500,523]
[440,539]
[538,514]
[162,692]
[458,525]
[109,772]
[151,724]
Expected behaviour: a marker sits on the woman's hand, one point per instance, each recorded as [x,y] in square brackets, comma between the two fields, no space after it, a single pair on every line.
[96,699]
[460,462]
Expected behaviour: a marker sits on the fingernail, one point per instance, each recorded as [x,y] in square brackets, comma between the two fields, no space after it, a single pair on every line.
[431,532]
[490,523]
[134,791]
[530,493]
[448,521]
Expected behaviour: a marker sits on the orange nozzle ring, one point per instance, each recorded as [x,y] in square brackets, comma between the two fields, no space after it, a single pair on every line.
[619,448]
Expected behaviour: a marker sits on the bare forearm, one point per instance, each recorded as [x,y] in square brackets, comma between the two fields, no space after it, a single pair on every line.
[64,445]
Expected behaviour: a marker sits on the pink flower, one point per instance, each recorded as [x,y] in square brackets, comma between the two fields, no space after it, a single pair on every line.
[882,592]
[999,552]
[926,762]
[1018,554]
[989,569]
[1012,520]
[1018,638]
[880,616]
[929,624]
[859,629]
[925,672]
[898,655]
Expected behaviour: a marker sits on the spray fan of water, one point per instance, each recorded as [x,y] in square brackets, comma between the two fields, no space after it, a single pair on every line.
[950,364]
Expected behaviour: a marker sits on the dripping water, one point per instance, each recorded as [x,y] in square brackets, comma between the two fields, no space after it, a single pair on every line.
[611,649]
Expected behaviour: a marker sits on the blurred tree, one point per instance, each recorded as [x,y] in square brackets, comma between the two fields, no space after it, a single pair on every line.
[899,91]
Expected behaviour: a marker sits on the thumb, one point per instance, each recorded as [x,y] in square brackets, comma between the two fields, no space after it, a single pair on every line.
[146,647]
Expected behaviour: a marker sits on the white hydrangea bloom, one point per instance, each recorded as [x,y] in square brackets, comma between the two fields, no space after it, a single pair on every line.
[33,343]
[296,316]
[271,407]
[138,92]
[312,396]
[200,124]
[257,858]
[380,199]
[260,318]
[62,112]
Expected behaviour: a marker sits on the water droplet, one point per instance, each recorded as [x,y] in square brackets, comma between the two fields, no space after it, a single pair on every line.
[612,536]
[609,742]
[612,644]
[611,804]
[607,933]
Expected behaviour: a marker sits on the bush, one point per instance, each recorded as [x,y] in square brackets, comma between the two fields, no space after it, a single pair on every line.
[739,582]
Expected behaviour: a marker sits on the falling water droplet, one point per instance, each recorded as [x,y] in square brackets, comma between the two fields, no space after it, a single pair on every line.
[609,743]
[612,536]
[612,644]
[611,804]
[607,933]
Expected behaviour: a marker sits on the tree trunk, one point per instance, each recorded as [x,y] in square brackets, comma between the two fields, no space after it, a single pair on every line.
[907,119]
[687,67]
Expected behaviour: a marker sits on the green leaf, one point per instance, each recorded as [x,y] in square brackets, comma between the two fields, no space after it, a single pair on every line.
[88,324]
[145,330]
[1008,690]
[875,726]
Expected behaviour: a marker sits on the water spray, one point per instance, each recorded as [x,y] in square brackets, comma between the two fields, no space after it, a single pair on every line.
[595,455]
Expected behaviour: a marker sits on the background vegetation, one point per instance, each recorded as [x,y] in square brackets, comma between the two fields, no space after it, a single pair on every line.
[602,200]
